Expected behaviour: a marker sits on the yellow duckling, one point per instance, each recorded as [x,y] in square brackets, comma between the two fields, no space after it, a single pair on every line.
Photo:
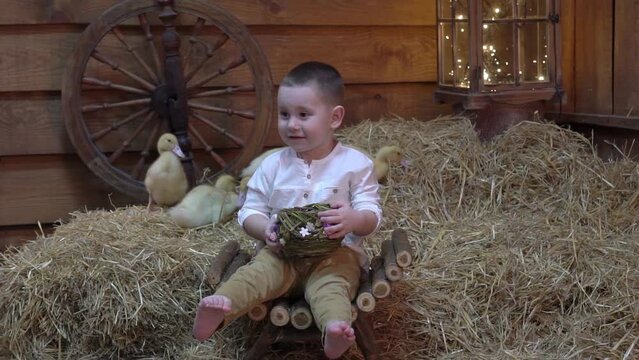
[206,204]
[165,180]
[384,157]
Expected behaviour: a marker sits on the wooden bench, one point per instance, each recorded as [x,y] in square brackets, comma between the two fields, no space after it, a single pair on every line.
[290,320]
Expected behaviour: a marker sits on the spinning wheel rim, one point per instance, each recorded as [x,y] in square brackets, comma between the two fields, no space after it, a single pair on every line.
[76,68]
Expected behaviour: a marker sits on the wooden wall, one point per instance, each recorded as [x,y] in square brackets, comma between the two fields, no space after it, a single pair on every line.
[386,51]
[601,67]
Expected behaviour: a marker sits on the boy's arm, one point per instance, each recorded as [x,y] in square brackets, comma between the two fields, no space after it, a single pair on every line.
[255,226]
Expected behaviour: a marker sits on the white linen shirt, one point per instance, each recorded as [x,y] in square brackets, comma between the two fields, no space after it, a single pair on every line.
[283,181]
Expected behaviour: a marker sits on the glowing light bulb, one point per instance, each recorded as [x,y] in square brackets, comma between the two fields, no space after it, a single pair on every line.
[460,16]
[541,78]
[485,26]
[497,10]
[447,37]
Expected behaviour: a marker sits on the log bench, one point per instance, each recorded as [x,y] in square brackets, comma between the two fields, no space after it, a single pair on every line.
[290,320]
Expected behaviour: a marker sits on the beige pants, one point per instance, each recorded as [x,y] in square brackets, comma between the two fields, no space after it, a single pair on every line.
[329,284]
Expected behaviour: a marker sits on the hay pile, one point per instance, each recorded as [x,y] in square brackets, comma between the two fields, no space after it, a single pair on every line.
[525,248]
[119,283]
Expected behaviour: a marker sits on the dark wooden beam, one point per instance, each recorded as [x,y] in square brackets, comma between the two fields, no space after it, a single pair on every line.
[612,121]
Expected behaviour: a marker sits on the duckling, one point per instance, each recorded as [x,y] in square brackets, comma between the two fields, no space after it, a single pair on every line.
[165,180]
[225,182]
[242,189]
[206,204]
[384,157]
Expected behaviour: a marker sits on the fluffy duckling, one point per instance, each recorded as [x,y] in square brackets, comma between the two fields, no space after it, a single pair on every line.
[165,180]
[384,157]
[206,204]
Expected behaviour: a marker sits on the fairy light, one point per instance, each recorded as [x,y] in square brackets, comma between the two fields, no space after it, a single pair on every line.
[495,69]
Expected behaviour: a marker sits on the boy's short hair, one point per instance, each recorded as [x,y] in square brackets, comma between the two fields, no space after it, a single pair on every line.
[325,77]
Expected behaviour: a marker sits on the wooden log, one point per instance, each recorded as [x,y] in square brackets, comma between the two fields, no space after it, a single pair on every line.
[240,259]
[219,263]
[258,312]
[365,337]
[301,317]
[381,286]
[365,300]
[280,314]
[268,336]
[354,312]
[393,272]
[403,254]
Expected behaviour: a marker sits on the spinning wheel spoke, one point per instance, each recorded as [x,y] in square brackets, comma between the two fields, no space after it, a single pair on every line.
[223,70]
[197,27]
[110,85]
[118,34]
[218,128]
[98,135]
[225,91]
[104,106]
[207,147]
[125,144]
[209,54]
[145,154]
[144,23]
[199,73]
[243,113]
[115,66]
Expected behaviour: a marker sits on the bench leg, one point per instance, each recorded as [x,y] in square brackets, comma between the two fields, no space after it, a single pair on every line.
[268,336]
[365,337]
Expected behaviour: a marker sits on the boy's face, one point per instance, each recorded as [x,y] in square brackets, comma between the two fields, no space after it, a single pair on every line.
[306,122]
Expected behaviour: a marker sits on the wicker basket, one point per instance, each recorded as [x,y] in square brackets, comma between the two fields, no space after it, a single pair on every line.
[302,233]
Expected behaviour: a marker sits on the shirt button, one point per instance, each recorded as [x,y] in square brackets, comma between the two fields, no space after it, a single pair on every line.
[308,176]
[305,195]
[334,191]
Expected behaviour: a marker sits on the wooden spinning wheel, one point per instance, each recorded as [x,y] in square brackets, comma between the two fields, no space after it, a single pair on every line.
[130,80]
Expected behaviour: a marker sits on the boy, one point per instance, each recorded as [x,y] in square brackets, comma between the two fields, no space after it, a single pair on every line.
[314,168]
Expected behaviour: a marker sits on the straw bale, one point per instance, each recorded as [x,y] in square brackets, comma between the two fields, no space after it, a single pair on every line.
[120,282]
[525,247]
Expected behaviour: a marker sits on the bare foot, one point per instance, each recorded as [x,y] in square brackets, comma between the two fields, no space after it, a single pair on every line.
[210,314]
[339,337]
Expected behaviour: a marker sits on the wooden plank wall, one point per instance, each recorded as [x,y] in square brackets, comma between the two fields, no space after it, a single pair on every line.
[386,51]
[600,51]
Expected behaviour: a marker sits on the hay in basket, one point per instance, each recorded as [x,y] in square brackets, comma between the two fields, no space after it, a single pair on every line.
[301,232]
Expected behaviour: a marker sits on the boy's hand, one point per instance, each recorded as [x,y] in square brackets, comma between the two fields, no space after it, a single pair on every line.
[341,219]
[271,235]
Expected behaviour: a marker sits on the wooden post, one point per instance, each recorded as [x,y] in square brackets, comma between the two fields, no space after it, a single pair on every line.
[239,260]
[403,254]
[258,312]
[365,337]
[354,312]
[280,313]
[393,272]
[381,287]
[365,300]
[301,317]
[219,263]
